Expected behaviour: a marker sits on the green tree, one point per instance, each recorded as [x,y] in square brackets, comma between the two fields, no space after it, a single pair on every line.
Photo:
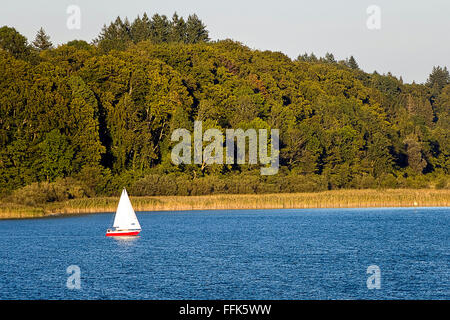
[307,57]
[57,155]
[196,30]
[351,63]
[42,41]
[115,36]
[79,45]
[141,29]
[415,155]
[178,29]
[83,125]
[329,57]
[438,78]
[160,29]
[14,43]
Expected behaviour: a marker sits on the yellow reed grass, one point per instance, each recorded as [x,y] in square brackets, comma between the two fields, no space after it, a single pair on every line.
[326,199]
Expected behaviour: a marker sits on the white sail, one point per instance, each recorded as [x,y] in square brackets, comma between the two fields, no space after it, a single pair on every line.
[125,217]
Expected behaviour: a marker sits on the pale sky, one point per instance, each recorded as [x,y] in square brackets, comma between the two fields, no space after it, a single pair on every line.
[414,35]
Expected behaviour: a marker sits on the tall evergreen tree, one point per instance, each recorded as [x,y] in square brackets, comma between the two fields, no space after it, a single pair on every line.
[115,36]
[178,29]
[438,78]
[42,41]
[125,30]
[352,63]
[196,30]
[141,29]
[160,28]
[415,156]
[329,57]
[307,57]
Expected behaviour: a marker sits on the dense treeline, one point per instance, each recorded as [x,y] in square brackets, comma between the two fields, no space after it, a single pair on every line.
[86,119]
[158,29]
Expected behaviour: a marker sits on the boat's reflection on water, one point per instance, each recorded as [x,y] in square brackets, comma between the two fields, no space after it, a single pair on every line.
[126,240]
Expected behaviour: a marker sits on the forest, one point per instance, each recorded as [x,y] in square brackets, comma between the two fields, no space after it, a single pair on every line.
[86,119]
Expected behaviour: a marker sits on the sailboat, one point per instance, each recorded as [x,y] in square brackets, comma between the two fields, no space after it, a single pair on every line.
[125,220]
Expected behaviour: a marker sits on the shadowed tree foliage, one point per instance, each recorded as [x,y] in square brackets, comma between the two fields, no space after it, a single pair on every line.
[56,155]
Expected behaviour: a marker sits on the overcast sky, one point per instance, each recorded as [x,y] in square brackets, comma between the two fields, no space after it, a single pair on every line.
[414,35]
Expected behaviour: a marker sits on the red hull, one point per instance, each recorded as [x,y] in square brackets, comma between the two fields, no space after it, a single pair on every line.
[122,234]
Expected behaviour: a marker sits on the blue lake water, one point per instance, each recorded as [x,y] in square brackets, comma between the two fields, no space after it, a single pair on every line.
[242,254]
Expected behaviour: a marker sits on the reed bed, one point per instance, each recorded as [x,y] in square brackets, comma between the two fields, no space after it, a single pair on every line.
[11,210]
[326,199]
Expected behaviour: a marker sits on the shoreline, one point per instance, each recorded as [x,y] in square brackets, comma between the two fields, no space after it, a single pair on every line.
[366,198]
